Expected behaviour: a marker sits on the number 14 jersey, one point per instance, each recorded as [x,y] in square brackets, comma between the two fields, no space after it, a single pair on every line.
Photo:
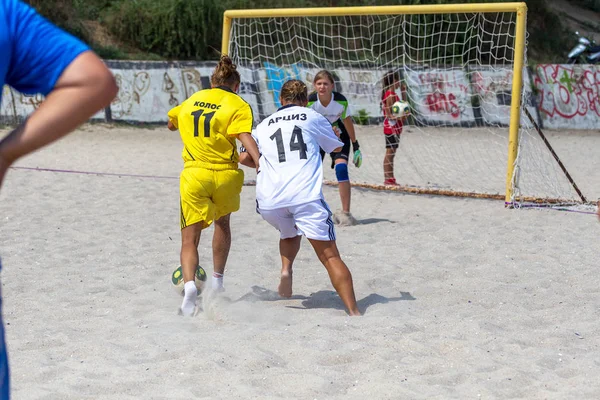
[291,171]
[209,122]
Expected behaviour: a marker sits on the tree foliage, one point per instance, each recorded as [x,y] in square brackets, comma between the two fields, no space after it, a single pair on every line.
[191,29]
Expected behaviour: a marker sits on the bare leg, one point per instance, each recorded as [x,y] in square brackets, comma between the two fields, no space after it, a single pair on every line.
[221,244]
[388,163]
[345,190]
[339,274]
[288,248]
[190,238]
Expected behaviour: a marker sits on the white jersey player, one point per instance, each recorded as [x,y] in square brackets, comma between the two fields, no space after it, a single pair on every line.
[289,187]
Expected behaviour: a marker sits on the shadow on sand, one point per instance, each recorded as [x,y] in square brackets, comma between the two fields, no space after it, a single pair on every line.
[368,221]
[321,299]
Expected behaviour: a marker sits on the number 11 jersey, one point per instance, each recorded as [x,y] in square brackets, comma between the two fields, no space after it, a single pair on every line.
[291,170]
[209,122]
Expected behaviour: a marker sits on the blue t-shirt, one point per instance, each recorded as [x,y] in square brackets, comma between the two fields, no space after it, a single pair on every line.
[33,52]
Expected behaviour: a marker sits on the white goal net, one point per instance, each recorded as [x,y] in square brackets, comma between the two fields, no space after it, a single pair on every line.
[456,71]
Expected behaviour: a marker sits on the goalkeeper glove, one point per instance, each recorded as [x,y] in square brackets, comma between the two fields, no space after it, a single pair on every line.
[357,159]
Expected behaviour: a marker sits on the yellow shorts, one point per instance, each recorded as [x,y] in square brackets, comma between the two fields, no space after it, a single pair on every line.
[207,195]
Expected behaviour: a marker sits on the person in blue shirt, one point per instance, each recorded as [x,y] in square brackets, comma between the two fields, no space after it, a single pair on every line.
[37,57]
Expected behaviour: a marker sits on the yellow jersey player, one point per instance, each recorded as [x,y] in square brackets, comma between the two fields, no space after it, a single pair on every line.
[209,122]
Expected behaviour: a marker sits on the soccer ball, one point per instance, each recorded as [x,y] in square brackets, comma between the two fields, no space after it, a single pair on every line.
[177,279]
[400,109]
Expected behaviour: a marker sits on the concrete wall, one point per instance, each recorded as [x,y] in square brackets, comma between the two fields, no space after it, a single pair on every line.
[563,96]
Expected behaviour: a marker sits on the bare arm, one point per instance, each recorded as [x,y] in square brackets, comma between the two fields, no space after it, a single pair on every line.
[171,126]
[85,87]
[251,147]
[246,159]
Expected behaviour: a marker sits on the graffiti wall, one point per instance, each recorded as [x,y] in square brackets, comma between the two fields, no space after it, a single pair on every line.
[7,105]
[559,96]
[362,88]
[147,91]
[492,87]
[568,95]
[18,105]
[440,96]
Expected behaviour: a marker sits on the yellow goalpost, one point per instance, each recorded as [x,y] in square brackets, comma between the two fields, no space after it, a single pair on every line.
[519,9]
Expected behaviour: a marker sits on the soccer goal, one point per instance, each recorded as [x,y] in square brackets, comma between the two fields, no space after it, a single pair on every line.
[463,71]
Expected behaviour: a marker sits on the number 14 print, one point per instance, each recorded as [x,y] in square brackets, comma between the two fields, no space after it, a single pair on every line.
[296,143]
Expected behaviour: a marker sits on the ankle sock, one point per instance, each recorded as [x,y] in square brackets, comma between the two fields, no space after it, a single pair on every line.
[189,298]
[217,280]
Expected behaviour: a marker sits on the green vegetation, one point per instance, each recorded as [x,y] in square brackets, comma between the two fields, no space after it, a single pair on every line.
[362,118]
[191,29]
[176,29]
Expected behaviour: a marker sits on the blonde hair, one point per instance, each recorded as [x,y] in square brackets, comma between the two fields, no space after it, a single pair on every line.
[324,74]
[294,91]
[225,73]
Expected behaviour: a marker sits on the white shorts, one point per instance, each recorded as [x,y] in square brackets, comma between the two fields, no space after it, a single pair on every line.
[312,220]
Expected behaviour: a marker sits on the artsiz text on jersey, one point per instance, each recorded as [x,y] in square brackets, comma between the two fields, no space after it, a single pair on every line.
[204,104]
[292,117]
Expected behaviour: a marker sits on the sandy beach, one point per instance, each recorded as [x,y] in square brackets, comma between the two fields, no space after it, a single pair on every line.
[462,298]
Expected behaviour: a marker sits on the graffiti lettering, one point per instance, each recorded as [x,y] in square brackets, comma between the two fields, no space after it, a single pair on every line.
[440,103]
[130,92]
[361,77]
[363,89]
[276,77]
[442,81]
[568,91]
[440,96]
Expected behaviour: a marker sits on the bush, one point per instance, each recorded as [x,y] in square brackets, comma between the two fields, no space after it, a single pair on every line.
[110,53]
[70,14]
[178,29]
[362,117]
[191,29]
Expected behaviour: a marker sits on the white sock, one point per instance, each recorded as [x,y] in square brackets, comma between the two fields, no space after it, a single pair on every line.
[217,281]
[189,299]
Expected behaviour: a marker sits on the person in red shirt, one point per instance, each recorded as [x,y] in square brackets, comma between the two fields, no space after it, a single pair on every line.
[392,125]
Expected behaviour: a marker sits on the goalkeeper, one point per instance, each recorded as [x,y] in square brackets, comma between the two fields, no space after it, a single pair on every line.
[334,106]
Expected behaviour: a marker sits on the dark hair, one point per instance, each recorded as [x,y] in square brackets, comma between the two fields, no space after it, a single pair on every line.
[294,91]
[225,73]
[324,74]
[388,81]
